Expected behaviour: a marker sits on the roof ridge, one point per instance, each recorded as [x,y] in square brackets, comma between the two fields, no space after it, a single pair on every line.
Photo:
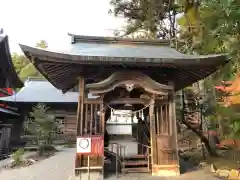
[108,39]
[35,79]
[7,67]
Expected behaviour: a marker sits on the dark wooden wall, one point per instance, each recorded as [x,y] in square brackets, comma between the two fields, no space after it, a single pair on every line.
[64,111]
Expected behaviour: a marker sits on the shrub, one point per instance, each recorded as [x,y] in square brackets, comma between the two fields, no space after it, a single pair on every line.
[18,156]
[42,126]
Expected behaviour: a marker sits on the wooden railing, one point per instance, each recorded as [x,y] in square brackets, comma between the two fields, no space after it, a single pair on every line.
[120,152]
[147,155]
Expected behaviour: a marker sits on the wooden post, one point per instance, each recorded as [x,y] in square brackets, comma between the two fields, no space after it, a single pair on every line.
[174,129]
[152,133]
[82,96]
[166,152]
[85,167]
[81,89]
[79,117]
[78,110]
[102,116]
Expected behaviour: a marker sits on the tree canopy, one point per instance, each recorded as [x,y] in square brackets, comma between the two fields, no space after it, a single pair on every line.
[193,27]
[42,44]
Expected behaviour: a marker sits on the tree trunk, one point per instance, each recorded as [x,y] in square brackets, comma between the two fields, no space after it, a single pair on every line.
[211,151]
[220,129]
[198,132]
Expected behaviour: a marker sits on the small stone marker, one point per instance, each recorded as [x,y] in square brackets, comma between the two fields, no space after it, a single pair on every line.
[212,168]
[222,173]
[233,175]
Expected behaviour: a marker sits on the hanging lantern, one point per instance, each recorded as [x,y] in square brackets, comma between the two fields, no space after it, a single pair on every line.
[142,115]
[135,119]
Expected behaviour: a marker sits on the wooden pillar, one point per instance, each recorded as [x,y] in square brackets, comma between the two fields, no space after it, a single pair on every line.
[79,124]
[153,135]
[164,144]
[172,166]
[174,132]
[102,116]
[86,167]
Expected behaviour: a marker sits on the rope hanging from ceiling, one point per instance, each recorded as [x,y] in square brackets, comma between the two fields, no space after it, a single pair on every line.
[132,113]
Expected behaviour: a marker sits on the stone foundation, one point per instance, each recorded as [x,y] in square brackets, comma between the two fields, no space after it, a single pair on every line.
[165,170]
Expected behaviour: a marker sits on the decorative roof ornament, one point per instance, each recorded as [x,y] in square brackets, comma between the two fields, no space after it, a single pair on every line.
[129,87]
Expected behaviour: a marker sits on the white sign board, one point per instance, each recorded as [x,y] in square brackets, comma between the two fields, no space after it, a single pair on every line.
[84,145]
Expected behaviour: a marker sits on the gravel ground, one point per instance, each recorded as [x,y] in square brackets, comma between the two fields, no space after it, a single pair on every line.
[60,167]
[198,175]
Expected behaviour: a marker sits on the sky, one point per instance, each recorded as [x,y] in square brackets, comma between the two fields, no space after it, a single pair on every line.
[29,21]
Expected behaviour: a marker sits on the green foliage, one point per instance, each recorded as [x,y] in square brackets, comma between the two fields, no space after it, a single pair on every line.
[29,71]
[24,67]
[70,145]
[220,28]
[235,127]
[18,156]
[150,17]
[19,62]
[201,28]
[41,125]
[42,44]
[229,120]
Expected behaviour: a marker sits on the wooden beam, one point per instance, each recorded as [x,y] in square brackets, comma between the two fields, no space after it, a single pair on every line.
[92,101]
[6,125]
[130,101]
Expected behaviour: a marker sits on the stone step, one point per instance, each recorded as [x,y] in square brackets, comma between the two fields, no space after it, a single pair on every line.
[136,170]
[135,163]
[135,157]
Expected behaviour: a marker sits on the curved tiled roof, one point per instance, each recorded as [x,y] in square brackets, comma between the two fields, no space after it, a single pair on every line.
[41,91]
[7,70]
[98,57]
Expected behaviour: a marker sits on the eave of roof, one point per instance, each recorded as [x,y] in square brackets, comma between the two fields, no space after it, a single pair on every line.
[86,52]
[8,111]
[173,58]
[41,91]
[6,64]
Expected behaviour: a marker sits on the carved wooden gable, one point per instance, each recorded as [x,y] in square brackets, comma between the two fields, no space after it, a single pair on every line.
[130,81]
